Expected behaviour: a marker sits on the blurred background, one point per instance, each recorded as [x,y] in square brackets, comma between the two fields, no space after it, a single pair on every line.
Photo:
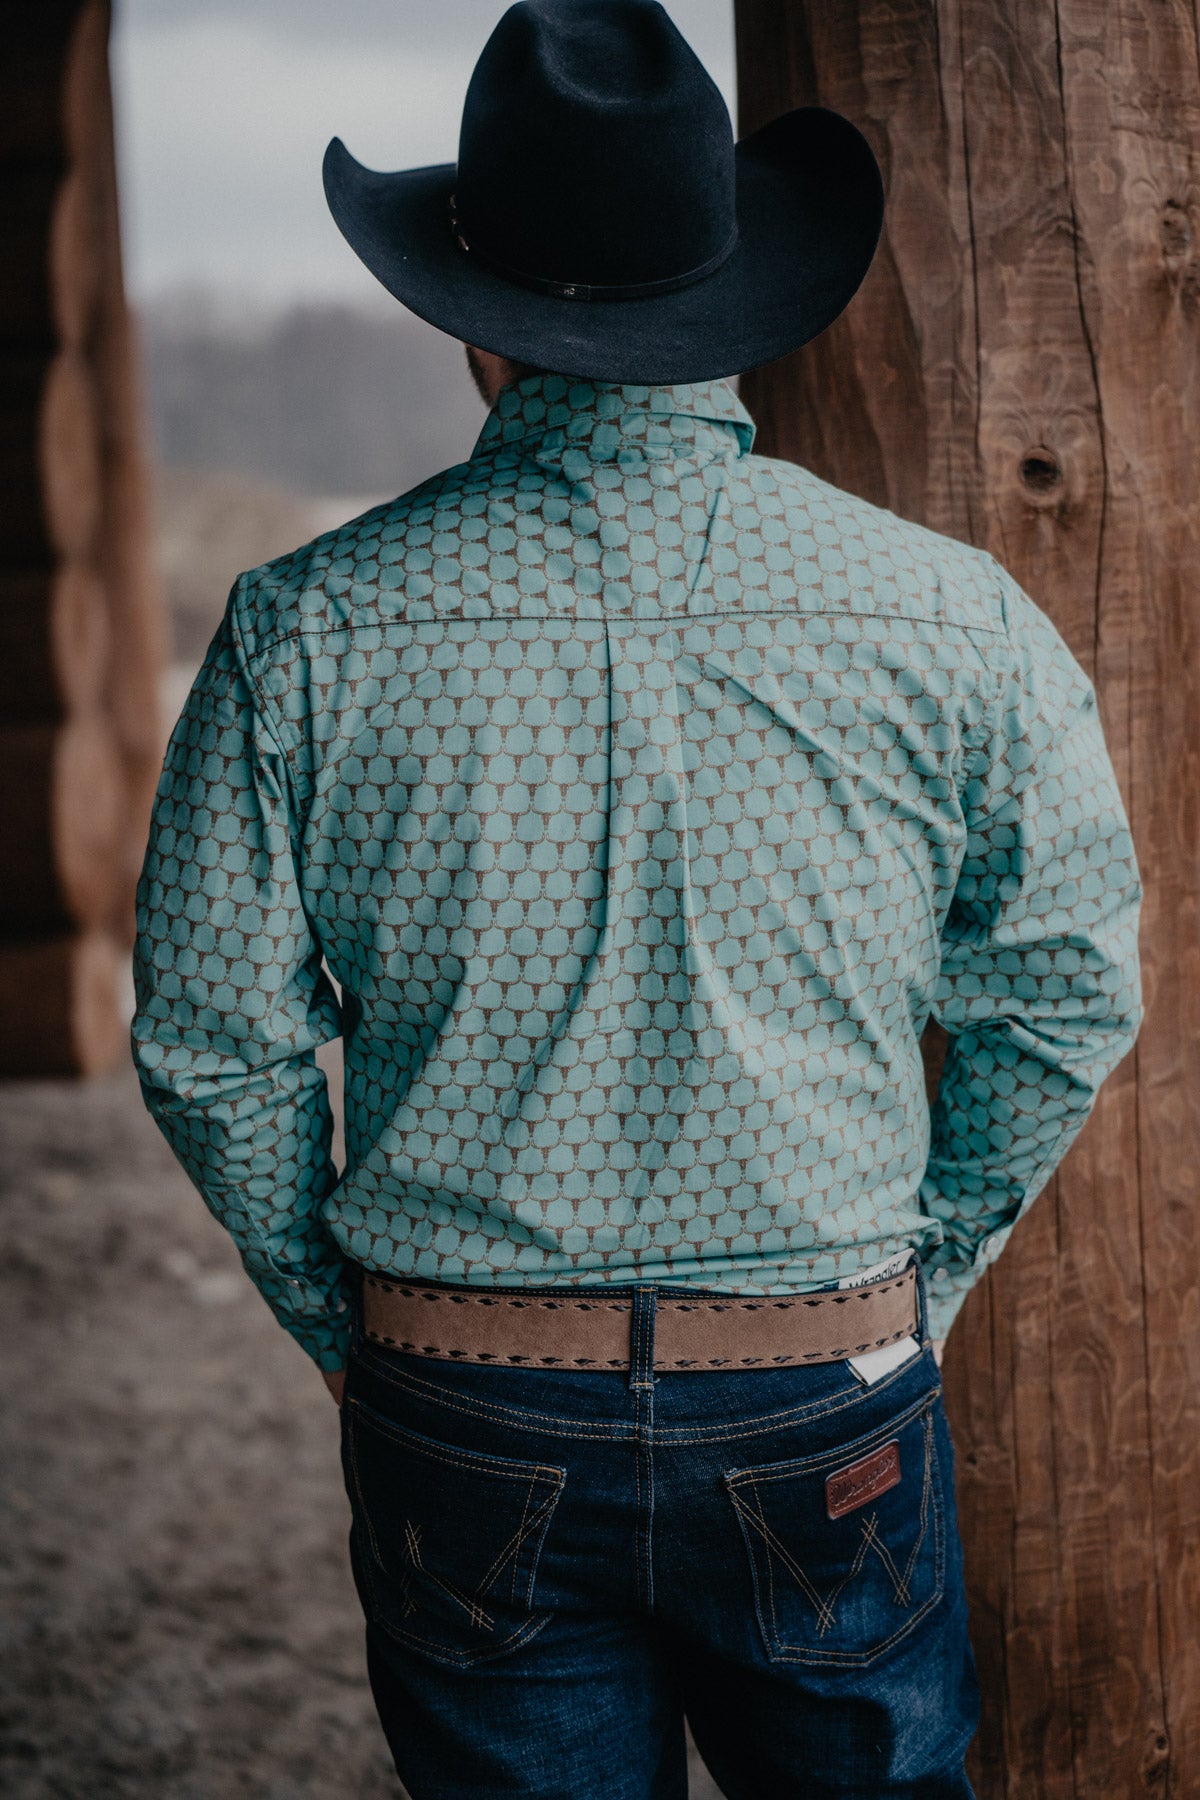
[286,390]
[198,375]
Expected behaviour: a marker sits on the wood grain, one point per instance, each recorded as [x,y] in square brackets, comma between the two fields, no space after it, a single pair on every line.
[1020,370]
[81,619]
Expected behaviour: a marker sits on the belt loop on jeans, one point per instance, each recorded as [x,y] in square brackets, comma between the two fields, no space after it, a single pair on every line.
[922,1331]
[641,1339]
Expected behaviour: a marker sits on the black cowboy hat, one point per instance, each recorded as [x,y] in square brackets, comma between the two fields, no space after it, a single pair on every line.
[600,220]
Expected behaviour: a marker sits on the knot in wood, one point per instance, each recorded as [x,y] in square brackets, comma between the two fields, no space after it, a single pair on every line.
[1041,473]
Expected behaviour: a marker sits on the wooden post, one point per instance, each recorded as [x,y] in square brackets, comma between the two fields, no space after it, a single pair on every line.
[1022,370]
[80,617]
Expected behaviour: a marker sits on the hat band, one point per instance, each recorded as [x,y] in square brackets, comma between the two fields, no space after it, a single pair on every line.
[591,290]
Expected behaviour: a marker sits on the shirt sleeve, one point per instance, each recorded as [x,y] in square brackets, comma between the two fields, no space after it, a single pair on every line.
[231,1000]
[1039,987]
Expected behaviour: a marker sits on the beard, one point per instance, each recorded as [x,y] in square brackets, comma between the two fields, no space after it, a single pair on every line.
[477,375]
[512,371]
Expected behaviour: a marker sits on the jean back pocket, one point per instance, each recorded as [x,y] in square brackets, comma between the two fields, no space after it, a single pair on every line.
[847,1547]
[446,1540]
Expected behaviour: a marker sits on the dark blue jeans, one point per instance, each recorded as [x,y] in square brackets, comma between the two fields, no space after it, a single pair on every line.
[557,1566]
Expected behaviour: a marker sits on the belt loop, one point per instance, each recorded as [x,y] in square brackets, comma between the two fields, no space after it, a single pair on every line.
[641,1339]
[922,1311]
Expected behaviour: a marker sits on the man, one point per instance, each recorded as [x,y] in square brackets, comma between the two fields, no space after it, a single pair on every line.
[643,797]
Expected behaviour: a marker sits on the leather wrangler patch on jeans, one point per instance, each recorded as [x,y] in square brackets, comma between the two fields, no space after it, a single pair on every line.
[862,1481]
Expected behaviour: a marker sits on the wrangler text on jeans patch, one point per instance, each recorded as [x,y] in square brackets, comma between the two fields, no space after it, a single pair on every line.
[862,1481]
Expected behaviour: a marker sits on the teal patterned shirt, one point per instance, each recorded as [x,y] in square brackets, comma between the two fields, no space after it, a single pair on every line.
[627,802]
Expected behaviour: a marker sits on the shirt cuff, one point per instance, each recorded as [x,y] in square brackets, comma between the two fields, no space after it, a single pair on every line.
[948,1284]
[316,1312]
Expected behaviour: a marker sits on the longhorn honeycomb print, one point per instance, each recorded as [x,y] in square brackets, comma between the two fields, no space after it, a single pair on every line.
[627,802]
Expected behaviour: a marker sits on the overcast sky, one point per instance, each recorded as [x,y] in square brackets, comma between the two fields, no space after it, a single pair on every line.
[224,109]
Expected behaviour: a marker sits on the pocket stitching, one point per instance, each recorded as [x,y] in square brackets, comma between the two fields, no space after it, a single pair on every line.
[524,1529]
[515,1561]
[468,1602]
[777,1649]
[465,1659]
[772,1542]
[926,1496]
[540,1519]
[512,1468]
[352,1446]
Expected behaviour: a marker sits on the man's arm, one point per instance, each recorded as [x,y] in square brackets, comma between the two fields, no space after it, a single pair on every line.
[231,999]
[1040,986]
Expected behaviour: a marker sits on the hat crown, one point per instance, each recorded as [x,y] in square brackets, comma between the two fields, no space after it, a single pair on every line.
[595,148]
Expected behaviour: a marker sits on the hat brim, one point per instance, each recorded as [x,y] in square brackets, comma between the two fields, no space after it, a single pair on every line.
[809,210]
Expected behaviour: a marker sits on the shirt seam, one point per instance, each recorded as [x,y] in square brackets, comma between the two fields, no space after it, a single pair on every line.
[1009,592]
[758,612]
[260,699]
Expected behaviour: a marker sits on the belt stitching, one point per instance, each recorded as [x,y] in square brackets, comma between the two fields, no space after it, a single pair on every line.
[675,1362]
[781,1303]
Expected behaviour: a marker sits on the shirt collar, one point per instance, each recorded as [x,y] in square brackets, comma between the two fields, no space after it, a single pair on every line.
[566,420]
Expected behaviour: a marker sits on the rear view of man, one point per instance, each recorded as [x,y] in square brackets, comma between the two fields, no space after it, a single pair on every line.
[643,797]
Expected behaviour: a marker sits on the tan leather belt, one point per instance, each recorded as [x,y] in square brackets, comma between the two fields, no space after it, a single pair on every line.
[588,1329]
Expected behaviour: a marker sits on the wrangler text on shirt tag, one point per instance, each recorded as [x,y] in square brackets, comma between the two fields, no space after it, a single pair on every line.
[862,1481]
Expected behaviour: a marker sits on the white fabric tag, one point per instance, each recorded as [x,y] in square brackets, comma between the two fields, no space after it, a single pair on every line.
[874,1364]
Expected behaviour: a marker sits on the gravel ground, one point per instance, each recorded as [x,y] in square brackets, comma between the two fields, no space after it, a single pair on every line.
[176,1611]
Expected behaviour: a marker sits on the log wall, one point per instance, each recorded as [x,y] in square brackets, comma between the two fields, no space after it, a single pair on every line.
[1022,370]
[80,616]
